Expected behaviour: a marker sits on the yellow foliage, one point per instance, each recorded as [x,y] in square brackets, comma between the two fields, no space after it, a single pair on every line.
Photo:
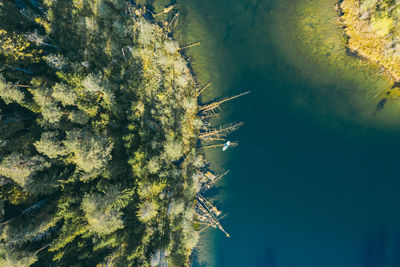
[16,47]
[78,4]
[14,194]
[43,23]
[381,25]
[161,97]
[108,49]
[367,4]
[369,32]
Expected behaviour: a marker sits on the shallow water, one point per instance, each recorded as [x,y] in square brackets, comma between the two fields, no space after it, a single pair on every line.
[315,180]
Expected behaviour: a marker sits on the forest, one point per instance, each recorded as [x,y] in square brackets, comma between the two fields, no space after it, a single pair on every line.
[99,135]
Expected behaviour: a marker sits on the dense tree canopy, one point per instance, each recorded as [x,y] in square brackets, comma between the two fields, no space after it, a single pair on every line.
[98,137]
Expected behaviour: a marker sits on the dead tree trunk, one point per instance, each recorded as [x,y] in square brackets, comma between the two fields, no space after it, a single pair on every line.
[202,89]
[216,104]
[188,46]
[221,132]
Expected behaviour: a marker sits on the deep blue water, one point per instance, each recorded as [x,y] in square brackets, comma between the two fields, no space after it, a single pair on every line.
[315,180]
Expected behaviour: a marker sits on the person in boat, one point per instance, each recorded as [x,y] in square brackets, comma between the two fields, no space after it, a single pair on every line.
[225,147]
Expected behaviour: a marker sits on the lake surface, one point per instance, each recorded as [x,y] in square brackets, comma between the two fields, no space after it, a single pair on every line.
[315,180]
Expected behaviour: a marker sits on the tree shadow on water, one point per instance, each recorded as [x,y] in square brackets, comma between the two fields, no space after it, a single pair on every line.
[268,259]
[380,251]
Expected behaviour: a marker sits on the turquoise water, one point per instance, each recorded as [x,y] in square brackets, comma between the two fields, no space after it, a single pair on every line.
[315,180]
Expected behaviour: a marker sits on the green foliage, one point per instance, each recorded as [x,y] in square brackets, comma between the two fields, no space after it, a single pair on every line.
[19,233]
[147,211]
[12,258]
[64,94]
[79,117]
[103,130]
[55,61]
[10,93]
[89,151]
[173,149]
[103,218]
[67,234]
[49,108]
[13,193]
[21,168]
[50,145]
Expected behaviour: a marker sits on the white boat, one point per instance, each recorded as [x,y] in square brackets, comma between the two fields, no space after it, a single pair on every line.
[226,145]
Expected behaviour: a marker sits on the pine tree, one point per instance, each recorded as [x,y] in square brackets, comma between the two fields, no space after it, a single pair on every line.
[12,258]
[103,217]
[89,151]
[22,168]
[103,150]
[49,108]
[36,229]
[64,94]
[50,145]
[10,93]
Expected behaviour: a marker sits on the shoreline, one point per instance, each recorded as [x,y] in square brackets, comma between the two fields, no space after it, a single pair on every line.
[355,28]
[322,46]
[133,149]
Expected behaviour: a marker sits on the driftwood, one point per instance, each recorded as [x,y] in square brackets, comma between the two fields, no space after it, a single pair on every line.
[173,22]
[166,10]
[188,46]
[232,144]
[202,89]
[208,214]
[218,133]
[214,105]
[212,182]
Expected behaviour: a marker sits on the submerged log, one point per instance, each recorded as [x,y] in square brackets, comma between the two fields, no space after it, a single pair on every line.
[202,89]
[166,10]
[215,105]
[210,115]
[210,212]
[232,144]
[188,46]
[217,133]
[212,182]
[173,22]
